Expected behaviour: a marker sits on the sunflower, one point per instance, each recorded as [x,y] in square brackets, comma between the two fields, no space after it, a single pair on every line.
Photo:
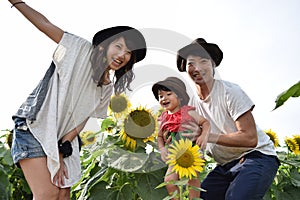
[292,145]
[119,105]
[297,139]
[129,142]
[185,158]
[273,136]
[160,111]
[9,137]
[88,137]
[151,138]
[139,123]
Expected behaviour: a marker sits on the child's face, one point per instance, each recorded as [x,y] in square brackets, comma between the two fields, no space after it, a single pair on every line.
[169,101]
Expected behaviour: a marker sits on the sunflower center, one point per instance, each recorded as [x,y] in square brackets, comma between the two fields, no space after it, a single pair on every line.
[297,140]
[186,159]
[140,117]
[90,139]
[139,124]
[118,104]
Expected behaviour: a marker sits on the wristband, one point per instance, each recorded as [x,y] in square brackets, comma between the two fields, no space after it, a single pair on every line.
[65,148]
[13,5]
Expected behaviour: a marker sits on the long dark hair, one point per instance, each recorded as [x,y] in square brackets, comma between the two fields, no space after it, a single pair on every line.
[124,76]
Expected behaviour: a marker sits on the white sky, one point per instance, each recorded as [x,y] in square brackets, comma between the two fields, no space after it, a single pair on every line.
[259,38]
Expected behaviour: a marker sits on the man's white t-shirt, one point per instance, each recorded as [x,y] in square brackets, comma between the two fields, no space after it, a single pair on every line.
[72,98]
[224,105]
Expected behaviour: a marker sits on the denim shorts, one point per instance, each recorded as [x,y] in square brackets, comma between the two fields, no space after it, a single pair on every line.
[24,144]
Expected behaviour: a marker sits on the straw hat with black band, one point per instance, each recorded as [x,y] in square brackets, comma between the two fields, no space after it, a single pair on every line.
[199,45]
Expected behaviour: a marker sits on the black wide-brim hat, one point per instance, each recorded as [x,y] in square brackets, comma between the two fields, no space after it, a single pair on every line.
[198,45]
[129,33]
[174,84]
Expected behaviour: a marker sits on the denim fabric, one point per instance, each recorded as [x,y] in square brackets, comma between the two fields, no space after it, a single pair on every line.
[247,179]
[24,143]
[35,100]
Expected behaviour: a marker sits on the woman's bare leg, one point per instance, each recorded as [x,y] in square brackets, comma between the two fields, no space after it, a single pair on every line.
[64,194]
[38,178]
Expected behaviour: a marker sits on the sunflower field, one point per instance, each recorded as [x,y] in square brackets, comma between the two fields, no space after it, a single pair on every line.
[121,161]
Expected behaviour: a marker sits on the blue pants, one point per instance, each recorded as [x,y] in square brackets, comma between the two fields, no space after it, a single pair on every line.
[245,179]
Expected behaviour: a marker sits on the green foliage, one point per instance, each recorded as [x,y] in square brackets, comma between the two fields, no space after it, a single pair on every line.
[111,171]
[287,181]
[293,91]
[12,181]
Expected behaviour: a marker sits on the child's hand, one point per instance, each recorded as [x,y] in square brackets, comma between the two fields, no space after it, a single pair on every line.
[166,137]
[163,153]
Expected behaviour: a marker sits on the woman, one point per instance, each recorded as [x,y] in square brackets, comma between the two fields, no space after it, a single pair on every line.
[78,85]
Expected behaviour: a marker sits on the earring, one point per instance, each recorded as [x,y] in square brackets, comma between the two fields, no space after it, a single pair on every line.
[100,48]
[104,60]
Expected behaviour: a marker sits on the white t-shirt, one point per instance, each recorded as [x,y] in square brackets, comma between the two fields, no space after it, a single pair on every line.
[224,105]
[72,98]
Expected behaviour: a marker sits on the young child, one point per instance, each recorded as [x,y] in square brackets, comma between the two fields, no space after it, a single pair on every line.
[172,96]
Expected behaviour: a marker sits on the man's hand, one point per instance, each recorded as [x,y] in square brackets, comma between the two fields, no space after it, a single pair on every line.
[202,141]
[196,131]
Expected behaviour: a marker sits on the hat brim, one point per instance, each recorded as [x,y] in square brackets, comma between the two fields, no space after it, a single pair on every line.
[211,49]
[170,85]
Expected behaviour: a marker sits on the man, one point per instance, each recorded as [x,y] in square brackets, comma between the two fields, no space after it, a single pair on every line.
[245,155]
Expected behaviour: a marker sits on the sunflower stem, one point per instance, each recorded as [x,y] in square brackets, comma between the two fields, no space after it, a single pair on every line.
[180,192]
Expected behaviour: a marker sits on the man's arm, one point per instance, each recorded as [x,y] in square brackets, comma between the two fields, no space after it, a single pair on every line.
[245,136]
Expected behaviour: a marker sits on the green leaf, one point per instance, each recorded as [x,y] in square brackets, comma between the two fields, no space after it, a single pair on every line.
[173,196]
[295,177]
[182,181]
[107,123]
[123,160]
[93,180]
[293,91]
[100,191]
[128,161]
[290,193]
[196,188]
[290,161]
[163,184]
[146,185]
[8,159]
[4,185]
[125,193]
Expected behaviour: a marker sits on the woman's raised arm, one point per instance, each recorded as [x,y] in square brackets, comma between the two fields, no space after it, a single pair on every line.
[38,20]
